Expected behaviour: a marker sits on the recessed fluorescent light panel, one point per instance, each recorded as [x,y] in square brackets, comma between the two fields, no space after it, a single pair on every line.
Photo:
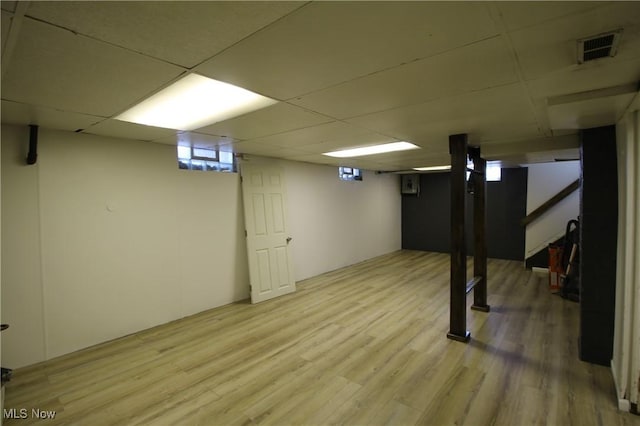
[432,168]
[374,149]
[193,102]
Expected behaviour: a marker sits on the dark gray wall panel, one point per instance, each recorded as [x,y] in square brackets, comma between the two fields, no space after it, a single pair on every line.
[598,243]
[426,218]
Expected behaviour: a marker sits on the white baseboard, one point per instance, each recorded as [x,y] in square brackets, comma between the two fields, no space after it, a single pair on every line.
[624,405]
[544,271]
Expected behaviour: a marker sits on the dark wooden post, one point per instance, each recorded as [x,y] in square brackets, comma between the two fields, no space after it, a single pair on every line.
[458,301]
[479,231]
[598,243]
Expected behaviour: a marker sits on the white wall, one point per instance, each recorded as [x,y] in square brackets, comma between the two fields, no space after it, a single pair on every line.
[544,181]
[625,364]
[22,298]
[104,237]
[336,223]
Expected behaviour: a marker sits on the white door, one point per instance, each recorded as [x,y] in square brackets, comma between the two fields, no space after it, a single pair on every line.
[265,216]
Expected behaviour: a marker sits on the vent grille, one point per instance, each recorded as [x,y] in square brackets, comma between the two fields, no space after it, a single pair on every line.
[596,54]
[599,43]
[600,46]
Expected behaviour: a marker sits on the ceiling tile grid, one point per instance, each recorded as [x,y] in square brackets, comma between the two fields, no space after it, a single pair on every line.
[257,148]
[327,43]
[278,118]
[299,139]
[481,114]
[347,73]
[439,76]
[55,68]
[199,140]
[6,25]
[19,113]
[126,130]
[521,14]
[9,6]
[183,33]
[552,46]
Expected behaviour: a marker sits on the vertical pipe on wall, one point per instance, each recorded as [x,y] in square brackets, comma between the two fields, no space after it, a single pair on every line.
[32,155]
[457,309]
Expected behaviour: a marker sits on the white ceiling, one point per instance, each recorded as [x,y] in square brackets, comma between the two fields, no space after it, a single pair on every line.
[346,73]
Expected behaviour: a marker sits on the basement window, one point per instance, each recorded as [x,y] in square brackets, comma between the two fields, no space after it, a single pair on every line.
[205,159]
[494,172]
[349,173]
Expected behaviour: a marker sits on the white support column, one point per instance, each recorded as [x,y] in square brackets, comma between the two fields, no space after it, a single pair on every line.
[626,354]
[634,283]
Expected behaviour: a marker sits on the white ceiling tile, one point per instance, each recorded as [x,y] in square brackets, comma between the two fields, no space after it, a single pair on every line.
[587,113]
[424,160]
[395,159]
[402,156]
[346,134]
[512,157]
[635,105]
[180,33]
[53,67]
[473,67]
[197,140]
[316,159]
[337,162]
[552,46]
[520,14]
[549,156]
[278,118]
[18,113]
[336,143]
[362,163]
[484,115]
[6,25]
[588,76]
[9,6]
[569,141]
[326,43]
[537,150]
[125,130]
[257,148]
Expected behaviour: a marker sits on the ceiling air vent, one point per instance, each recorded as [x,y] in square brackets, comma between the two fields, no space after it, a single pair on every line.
[600,46]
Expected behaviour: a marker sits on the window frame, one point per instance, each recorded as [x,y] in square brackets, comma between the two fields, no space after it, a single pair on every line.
[354,173]
[205,161]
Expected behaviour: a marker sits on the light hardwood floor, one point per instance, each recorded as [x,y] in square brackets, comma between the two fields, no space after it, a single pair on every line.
[361,345]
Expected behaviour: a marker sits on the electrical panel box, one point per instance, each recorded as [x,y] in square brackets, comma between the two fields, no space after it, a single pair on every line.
[411,184]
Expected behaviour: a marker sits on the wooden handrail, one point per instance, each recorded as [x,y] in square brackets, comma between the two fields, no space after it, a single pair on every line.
[550,203]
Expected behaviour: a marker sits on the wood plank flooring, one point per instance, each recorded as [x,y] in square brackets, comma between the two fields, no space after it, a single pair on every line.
[362,345]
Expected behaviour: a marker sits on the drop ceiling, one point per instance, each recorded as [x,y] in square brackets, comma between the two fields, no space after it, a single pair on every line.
[345,74]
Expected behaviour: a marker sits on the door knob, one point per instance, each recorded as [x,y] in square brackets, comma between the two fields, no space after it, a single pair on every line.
[289,240]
